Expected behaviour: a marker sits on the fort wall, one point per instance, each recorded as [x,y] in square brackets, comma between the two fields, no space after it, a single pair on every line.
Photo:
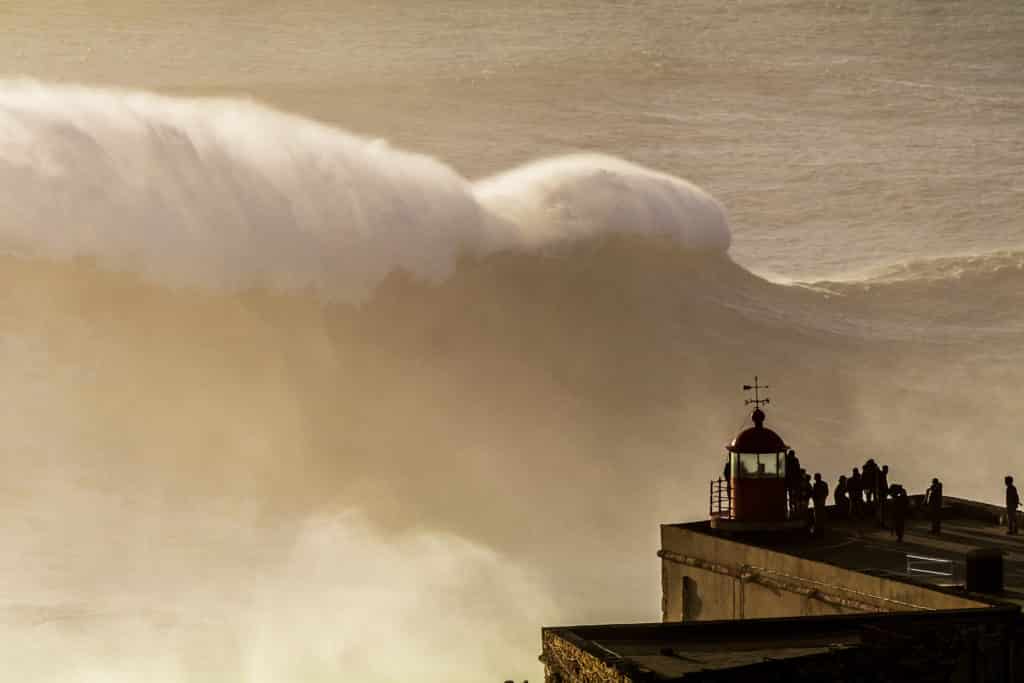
[708,577]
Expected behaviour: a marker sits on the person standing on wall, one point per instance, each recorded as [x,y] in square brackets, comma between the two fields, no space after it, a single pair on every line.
[806,496]
[842,502]
[792,478]
[819,492]
[727,474]
[933,499]
[882,488]
[899,510]
[1012,503]
[869,480]
[854,488]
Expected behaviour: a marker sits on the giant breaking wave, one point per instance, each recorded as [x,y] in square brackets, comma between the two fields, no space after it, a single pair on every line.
[230,194]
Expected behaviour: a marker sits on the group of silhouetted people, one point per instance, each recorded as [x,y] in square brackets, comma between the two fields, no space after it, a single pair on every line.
[867,493]
[933,504]
[801,491]
[868,490]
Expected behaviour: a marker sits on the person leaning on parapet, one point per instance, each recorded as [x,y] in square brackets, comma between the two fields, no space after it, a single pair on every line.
[1012,503]
[933,500]
[899,510]
[819,493]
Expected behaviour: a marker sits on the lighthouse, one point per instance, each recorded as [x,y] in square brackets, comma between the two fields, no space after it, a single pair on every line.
[751,495]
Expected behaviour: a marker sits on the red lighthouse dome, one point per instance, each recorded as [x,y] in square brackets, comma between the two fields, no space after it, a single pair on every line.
[757,439]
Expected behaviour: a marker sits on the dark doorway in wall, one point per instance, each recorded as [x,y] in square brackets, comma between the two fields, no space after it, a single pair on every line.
[691,600]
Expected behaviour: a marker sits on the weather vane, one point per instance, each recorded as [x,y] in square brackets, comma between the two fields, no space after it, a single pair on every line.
[757,400]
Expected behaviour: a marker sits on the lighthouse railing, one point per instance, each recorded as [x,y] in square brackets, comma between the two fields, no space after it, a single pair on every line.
[720,498]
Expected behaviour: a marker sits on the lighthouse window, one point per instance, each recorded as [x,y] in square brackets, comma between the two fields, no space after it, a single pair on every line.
[748,465]
[753,465]
[768,465]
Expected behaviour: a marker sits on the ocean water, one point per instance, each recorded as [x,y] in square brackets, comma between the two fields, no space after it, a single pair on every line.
[356,341]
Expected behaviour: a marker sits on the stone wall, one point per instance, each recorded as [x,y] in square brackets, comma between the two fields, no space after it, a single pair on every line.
[951,646]
[707,577]
[567,661]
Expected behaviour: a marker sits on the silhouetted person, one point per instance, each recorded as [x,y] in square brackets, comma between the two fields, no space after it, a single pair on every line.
[882,487]
[842,502]
[854,486]
[899,510]
[933,500]
[727,474]
[793,479]
[1012,503]
[798,498]
[869,480]
[819,493]
[806,492]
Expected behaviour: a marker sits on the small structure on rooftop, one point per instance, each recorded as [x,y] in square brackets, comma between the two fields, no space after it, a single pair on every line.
[752,494]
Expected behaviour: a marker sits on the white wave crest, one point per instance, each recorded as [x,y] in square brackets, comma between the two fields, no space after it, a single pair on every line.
[586,195]
[228,194]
